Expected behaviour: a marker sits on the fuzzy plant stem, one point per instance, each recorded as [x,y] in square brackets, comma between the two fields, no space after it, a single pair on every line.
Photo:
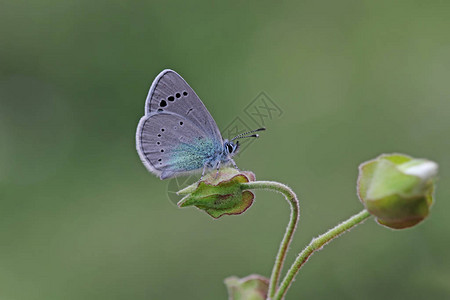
[316,244]
[291,197]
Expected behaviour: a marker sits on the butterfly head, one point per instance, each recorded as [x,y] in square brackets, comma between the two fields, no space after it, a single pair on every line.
[230,147]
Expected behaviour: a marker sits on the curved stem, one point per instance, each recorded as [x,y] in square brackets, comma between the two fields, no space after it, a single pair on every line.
[291,197]
[316,244]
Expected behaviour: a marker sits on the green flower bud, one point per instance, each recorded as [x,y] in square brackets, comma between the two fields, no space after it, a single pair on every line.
[397,189]
[253,287]
[219,194]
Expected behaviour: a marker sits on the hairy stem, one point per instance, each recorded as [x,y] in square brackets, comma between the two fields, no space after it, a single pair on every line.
[316,244]
[295,214]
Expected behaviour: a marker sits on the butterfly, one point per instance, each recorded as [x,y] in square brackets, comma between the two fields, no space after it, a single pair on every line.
[177,135]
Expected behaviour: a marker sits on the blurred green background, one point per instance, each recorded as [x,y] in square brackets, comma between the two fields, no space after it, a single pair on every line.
[81,218]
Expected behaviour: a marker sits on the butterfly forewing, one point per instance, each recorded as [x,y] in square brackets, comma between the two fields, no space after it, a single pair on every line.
[170,93]
[170,144]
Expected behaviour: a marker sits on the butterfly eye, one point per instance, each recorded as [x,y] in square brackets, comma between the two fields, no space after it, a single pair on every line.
[229,148]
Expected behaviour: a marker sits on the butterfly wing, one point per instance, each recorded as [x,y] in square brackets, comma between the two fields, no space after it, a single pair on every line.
[171,93]
[170,145]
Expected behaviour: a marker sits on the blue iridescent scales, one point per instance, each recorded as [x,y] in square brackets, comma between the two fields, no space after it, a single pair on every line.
[177,135]
[193,156]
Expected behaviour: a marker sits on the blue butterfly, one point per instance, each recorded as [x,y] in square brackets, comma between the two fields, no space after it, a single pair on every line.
[177,135]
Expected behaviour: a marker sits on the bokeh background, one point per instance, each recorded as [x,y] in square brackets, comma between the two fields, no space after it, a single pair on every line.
[81,218]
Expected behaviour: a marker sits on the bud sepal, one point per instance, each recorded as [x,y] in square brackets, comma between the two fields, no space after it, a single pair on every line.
[252,287]
[397,189]
[220,194]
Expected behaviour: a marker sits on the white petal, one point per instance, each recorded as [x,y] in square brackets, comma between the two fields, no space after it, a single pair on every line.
[426,169]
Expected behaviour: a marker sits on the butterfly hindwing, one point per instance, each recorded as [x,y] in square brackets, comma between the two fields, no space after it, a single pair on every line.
[170,145]
[171,93]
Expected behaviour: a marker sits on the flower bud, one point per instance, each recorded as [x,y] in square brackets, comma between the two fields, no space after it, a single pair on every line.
[253,287]
[397,189]
[219,194]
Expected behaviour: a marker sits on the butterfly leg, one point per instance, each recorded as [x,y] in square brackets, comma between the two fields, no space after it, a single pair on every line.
[217,168]
[234,164]
[204,170]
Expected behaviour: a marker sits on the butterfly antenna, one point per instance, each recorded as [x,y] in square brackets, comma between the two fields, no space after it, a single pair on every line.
[244,135]
[249,136]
